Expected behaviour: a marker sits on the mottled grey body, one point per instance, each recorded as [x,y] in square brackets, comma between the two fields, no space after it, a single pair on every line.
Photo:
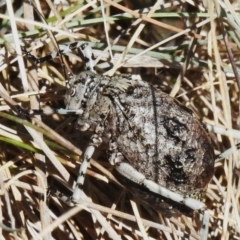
[153,132]
[160,150]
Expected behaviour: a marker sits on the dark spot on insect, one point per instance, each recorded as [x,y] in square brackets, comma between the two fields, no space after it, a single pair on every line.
[101,85]
[176,173]
[191,154]
[174,128]
[79,80]
[102,116]
[130,91]
[82,174]
[79,185]
[73,45]
[238,146]
[86,59]
[84,45]
[132,115]
[83,103]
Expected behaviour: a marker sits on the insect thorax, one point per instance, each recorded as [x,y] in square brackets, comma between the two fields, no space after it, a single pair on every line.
[92,93]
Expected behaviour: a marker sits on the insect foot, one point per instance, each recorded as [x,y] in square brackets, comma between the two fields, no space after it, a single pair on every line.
[163,152]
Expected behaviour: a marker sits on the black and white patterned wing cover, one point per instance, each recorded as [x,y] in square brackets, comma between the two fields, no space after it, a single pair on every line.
[162,139]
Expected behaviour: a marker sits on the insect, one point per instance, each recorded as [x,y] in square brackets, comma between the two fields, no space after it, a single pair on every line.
[159,148]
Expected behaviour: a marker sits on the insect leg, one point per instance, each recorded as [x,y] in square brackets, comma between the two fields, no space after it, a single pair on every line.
[76,196]
[42,59]
[84,47]
[82,171]
[88,56]
[204,226]
[132,174]
[96,140]
[62,111]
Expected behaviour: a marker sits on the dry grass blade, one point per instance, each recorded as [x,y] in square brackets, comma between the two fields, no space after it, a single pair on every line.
[195,50]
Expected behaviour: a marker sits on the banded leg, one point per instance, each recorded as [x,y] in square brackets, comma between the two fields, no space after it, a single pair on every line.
[132,174]
[83,169]
[62,111]
[96,140]
[84,47]
[88,56]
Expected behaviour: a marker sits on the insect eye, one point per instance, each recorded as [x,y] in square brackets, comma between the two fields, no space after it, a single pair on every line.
[73,92]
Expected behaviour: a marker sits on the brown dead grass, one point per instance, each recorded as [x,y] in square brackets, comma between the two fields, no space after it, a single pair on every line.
[192,57]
